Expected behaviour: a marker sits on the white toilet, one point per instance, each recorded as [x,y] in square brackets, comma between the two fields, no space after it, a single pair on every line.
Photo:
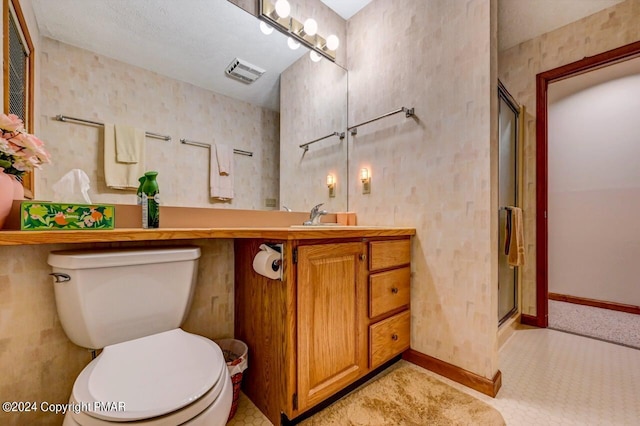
[131,302]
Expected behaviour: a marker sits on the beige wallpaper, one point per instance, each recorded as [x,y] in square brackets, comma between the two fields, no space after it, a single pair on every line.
[38,361]
[434,172]
[518,66]
[82,84]
[313,99]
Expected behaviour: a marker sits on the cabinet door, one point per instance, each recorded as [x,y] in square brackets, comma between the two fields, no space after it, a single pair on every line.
[332,303]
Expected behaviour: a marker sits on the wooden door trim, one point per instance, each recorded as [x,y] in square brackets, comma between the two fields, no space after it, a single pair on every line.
[28,178]
[543,80]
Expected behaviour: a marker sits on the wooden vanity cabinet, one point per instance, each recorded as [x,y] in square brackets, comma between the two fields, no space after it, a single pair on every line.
[341,310]
[332,349]
[389,298]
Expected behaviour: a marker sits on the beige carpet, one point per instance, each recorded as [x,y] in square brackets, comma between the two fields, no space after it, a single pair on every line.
[407,396]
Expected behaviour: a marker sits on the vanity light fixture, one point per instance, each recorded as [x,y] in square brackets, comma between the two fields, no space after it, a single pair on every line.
[277,16]
[292,43]
[283,8]
[315,57]
[366,181]
[265,28]
[310,27]
[331,184]
[333,42]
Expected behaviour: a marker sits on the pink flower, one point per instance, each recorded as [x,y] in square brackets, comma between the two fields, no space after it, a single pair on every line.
[7,147]
[20,151]
[34,147]
[10,123]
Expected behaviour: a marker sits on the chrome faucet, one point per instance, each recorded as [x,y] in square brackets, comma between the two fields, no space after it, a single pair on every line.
[314,217]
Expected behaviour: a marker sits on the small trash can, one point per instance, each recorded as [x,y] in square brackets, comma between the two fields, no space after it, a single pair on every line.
[236,356]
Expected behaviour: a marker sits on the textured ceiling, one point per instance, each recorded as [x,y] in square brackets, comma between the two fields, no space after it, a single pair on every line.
[189,40]
[346,8]
[522,20]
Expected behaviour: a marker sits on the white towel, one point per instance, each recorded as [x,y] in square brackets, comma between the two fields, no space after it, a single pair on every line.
[224,156]
[120,175]
[129,143]
[221,184]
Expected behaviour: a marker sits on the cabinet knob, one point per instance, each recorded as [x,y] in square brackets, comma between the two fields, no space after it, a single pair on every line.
[394,337]
[363,256]
[394,290]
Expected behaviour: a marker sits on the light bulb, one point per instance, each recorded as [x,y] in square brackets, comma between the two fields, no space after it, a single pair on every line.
[310,27]
[315,56]
[330,180]
[265,28]
[364,174]
[293,45]
[333,42]
[283,8]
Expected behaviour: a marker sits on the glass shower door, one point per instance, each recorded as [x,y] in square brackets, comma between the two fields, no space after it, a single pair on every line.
[507,196]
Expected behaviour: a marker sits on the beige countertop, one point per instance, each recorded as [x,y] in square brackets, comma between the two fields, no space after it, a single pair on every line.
[186,223]
[11,238]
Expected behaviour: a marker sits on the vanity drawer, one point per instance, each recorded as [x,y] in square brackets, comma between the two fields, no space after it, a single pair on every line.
[387,254]
[389,290]
[388,338]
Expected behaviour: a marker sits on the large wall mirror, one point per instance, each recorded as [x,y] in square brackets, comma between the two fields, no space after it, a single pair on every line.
[159,65]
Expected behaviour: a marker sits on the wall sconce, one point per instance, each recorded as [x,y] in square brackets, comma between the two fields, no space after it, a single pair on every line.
[277,16]
[366,181]
[331,184]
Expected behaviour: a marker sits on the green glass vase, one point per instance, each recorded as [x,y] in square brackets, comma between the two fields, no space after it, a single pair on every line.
[150,201]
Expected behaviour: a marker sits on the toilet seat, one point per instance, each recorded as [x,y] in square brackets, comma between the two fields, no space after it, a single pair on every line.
[154,376]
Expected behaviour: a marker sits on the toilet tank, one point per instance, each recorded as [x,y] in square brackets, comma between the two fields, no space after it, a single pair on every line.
[114,296]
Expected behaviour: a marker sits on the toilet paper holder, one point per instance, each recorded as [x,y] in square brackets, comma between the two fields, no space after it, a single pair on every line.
[268,261]
[276,264]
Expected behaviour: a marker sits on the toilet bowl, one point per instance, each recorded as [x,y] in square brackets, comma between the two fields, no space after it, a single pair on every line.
[170,378]
[150,372]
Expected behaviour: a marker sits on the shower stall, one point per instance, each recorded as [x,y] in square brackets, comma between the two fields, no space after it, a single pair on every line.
[508,134]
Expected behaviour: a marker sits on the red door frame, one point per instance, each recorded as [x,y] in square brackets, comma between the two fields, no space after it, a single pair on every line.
[543,79]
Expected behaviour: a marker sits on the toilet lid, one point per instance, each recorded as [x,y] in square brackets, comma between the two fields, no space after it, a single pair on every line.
[152,376]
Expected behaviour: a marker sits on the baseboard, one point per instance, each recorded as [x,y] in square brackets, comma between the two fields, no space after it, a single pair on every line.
[621,307]
[529,320]
[472,380]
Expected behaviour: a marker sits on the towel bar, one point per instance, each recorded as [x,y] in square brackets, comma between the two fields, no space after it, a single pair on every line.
[206,145]
[67,119]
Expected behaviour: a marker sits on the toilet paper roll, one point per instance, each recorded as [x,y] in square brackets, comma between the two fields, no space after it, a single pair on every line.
[268,262]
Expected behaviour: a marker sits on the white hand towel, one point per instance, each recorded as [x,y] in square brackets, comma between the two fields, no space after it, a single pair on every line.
[129,143]
[120,175]
[221,185]
[224,156]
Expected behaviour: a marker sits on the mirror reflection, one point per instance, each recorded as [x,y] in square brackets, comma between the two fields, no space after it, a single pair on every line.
[159,66]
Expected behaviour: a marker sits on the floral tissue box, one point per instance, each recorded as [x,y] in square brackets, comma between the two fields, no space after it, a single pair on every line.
[45,216]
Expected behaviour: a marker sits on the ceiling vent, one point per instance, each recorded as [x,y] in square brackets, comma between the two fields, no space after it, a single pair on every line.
[244,71]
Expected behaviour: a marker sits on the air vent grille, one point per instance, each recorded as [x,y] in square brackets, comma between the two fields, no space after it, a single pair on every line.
[244,71]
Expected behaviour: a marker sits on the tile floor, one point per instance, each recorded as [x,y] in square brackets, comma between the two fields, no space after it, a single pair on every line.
[613,326]
[550,378]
